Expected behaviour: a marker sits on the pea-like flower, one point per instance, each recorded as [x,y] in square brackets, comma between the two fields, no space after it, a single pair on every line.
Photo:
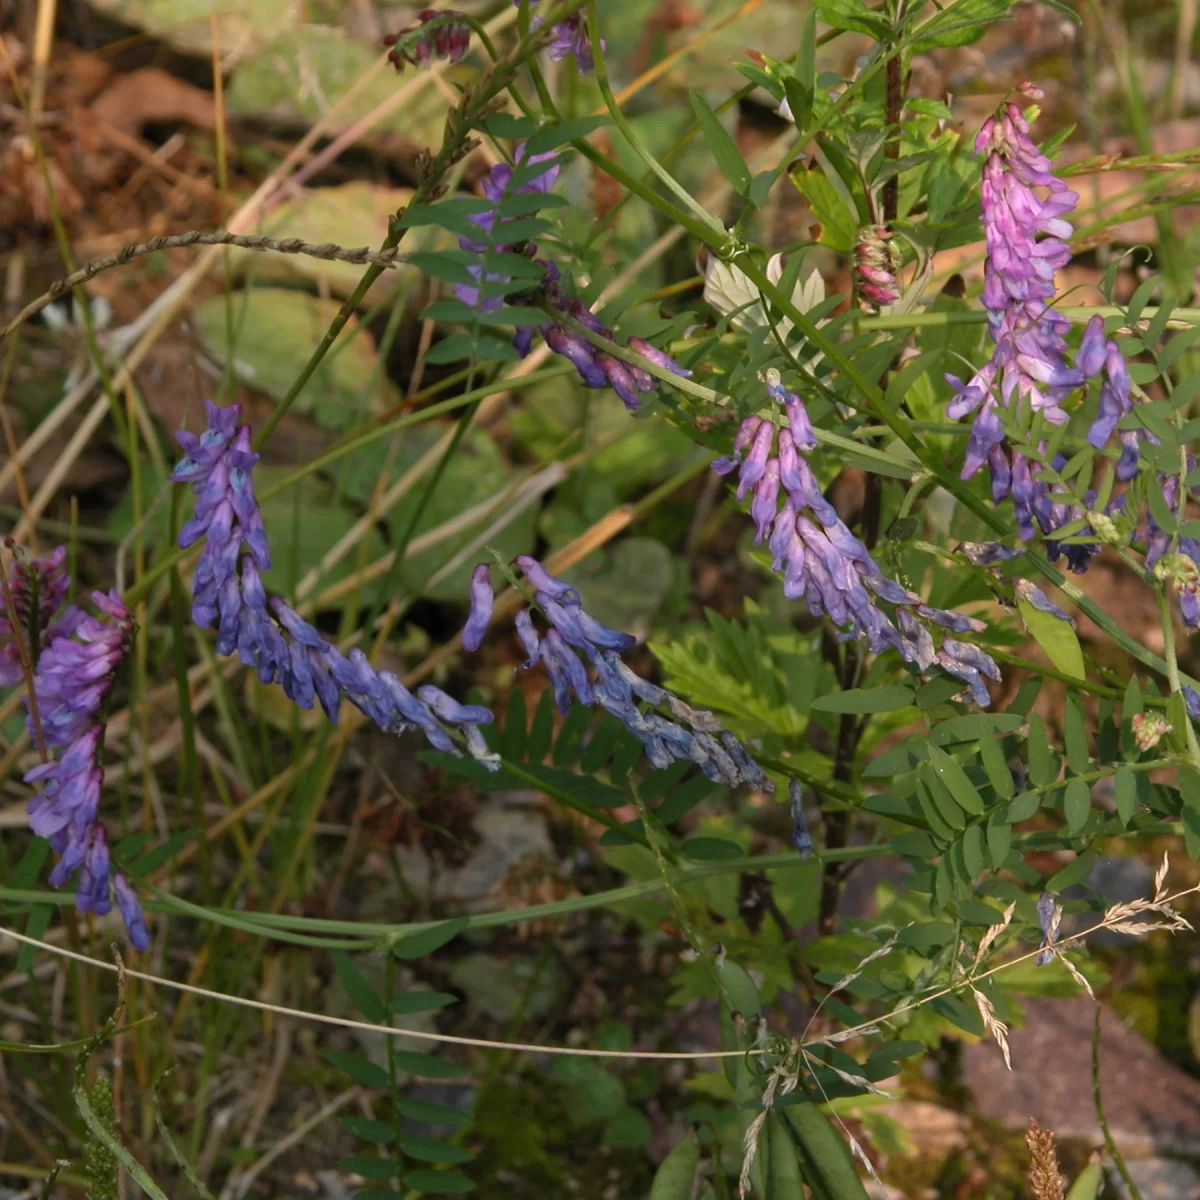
[569,37]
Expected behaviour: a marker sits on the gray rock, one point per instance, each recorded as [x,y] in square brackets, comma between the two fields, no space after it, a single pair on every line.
[1158,1179]
[1116,880]
[507,837]
[1152,1107]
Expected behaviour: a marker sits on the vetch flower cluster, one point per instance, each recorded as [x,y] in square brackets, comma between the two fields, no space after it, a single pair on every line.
[693,736]
[1024,206]
[569,36]
[38,587]
[876,261]
[597,369]
[267,634]
[824,564]
[445,35]
[73,678]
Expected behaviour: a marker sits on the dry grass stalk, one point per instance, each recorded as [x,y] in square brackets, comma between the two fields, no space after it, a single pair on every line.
[1045,1180]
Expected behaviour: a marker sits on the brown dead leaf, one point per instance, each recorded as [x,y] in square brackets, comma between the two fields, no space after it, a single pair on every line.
[135,99]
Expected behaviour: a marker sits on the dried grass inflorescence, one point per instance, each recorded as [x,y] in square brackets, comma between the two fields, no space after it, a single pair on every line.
[1045,1180]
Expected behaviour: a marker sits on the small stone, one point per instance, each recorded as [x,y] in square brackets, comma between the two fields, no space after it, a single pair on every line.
[1159,1179]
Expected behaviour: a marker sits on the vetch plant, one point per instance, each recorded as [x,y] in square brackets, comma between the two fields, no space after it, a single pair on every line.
[907,477]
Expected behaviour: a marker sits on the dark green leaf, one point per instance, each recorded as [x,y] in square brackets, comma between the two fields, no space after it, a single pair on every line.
[370,1168]
[1125,787]
[1042,770]
[160,855]
[417,945]
[1023,807]
[729,160]
[430,1114]
[359,990]
[1077,805]
[972,844]
[955,779]
[1073,873]
[40,916]
[991,753]
[360,1069]
[368,1130]
[999,839]
[543,728]
[551,136]
[944,816]
[1075,738]
[430,1150]
[515,721]
[866,700]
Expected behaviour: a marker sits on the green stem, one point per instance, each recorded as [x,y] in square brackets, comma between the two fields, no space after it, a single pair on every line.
[669,181]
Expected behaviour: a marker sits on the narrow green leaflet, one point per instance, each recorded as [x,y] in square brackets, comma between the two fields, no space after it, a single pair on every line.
[1056,637]
[677,1172]
[728,157]
[999,776]
[999,839]
[1125,788]
[866,700]
[1042,770]
[1075,738]
[1077,805]
[956,781]
[359,990]
[417,945]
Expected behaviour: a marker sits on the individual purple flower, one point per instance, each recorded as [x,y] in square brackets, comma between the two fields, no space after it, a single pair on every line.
[801,838]
[131,912]
[480,616]
[569,36]
[1050,919]
[443,34]
[92,894]
[658,357]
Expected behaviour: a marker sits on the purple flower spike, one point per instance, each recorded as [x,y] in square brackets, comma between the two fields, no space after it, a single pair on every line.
[131,913]
[1026,243]
[480,617]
